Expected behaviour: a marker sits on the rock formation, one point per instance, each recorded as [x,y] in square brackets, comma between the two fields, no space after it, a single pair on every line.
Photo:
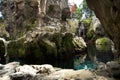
[108,12]
[21,16]
[39,28]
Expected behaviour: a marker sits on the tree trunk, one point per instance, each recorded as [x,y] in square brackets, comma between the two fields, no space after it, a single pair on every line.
[108,12]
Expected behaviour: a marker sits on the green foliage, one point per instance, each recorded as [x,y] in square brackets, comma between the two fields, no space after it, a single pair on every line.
[83,10]
[57,39]
[16,49]
[87,21]
[79,13]
[73,23]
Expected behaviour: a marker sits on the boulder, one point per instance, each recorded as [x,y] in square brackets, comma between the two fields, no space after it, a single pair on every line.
[104,49]
[79,43]
[35,69]
[114,67]
[103,44]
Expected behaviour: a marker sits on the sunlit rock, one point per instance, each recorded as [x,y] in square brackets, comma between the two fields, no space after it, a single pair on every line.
[26,69]
[79,43]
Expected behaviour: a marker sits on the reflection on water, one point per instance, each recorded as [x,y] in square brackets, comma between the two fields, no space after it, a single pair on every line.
[80,62]
[86,65]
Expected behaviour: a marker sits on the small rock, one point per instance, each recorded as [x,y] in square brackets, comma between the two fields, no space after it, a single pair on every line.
[114,67]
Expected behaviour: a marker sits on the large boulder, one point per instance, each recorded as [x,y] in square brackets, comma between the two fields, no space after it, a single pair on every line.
[50,42]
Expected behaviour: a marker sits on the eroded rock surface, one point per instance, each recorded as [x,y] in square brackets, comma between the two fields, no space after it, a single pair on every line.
[23,15]
[47,72]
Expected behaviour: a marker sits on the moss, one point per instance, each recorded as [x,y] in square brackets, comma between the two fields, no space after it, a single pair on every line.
[57,39]
[90,34]
[16,49]
[87,21]
[1,24]
[103,44]
[67,42]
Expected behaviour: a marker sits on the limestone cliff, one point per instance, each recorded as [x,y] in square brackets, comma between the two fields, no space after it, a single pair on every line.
[21,16]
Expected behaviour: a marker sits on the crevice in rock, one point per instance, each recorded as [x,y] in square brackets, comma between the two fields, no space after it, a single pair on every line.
[114,9]
[111,0]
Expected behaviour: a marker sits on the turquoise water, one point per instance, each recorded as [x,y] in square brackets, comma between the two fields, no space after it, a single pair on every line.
[85,65]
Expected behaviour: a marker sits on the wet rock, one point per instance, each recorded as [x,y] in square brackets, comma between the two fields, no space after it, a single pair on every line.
[104,49]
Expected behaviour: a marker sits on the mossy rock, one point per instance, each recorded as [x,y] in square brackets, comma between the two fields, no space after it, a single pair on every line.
[103,44]
[67,44]
[16,49]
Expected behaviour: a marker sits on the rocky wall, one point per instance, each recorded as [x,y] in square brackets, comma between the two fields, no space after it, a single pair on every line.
[21,16]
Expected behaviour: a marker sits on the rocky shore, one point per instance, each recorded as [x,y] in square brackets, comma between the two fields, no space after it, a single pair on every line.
[15,71]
